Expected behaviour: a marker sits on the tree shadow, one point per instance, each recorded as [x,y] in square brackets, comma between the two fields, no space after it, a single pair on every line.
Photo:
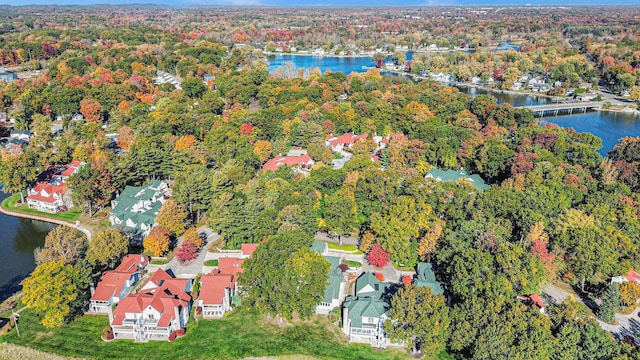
[11,287]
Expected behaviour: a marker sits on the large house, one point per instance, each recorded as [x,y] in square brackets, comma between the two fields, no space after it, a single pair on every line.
[136,208]
[364,314]
[300,163]
[426,277]
[336,287]
[216,294]
[117,284]
[50,193]
[159,309]
[337,143]
[218,288]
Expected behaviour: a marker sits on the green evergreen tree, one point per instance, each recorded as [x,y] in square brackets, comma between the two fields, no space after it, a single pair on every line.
[610,303]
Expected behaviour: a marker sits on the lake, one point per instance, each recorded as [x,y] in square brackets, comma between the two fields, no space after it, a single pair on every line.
[609,126]
[18,238]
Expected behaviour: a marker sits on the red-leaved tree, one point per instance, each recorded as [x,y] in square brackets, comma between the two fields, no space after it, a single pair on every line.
[378,256]
[186,252]
[407,280]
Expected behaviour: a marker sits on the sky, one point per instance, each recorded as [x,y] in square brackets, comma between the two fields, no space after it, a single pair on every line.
[325,2]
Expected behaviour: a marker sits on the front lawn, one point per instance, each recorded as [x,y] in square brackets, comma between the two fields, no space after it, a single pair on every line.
[11,203]
[353,264]
[350,248]
[211,262]
[243,334]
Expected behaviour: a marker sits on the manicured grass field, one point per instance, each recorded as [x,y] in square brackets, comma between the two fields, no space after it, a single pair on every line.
[350,248]
[212,262]
[243,334]
[353,264]
[11,203]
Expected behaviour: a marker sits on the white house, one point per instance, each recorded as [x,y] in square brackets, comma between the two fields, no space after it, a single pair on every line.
[136,208]
[216,292]
[155,312]
[115,285]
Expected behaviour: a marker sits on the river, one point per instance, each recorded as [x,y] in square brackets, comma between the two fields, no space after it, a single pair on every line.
[18,239]
[609,126]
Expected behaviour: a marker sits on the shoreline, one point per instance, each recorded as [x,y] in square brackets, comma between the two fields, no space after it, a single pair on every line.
[20,214]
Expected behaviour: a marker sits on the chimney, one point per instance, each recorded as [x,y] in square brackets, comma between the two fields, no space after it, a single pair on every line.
[92,289]
[110,312]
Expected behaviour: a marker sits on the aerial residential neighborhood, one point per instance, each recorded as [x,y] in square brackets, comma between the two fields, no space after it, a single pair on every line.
[319,180]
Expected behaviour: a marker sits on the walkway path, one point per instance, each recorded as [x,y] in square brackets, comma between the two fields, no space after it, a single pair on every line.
[195,267]
[75,225]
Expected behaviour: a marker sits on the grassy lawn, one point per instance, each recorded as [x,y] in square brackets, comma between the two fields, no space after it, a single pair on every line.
[159,262]
[212,262]
[353,264]
[337,156]
[350,248]
[11,203]
[243,334]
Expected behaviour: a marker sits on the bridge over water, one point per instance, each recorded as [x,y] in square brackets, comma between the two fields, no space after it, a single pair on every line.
[569,108]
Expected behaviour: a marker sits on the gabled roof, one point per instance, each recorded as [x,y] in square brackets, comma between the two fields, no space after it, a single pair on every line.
[319,246]
[213,288]
[132,262]
[248,249]
[230,266]
[335,279]
[38,192]
[368,307]
[425,276]
[368,286]
[345,139]
[276,162]
[633,276]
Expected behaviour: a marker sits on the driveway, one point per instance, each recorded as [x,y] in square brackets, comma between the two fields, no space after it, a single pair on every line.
[627,325]
[339,163]
[389,272]
[195,267]
[346,240]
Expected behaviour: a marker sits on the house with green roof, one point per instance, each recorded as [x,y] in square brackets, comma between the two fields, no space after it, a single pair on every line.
[320,247]
[456,175]
[336,287]
[425,276]
[364,314]
[136,208]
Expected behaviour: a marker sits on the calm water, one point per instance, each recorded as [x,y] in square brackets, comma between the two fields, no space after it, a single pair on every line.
[18,239]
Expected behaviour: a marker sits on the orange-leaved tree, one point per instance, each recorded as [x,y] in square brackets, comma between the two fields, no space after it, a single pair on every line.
[91,109]
[157,242]
[192,237]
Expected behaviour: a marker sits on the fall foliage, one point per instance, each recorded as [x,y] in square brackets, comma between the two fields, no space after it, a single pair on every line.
[172,217]
[192,237]
[377,256]
[157,242]
[91,109]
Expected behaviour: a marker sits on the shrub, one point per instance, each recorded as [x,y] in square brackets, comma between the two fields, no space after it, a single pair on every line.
[407,280]
[378,256]
[379,276]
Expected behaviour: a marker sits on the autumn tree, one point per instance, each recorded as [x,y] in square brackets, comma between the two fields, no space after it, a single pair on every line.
[107,248]
[186,142]
[157,242]
[629,294]
[172,217]
[125,137]
[91,109]
[18,172]
[339,215]
[419,319]
[377,256]
[91,187]
[63,243]
[428,242]
[186,252]
[262,149]
[57,290]
[193,237]
[366,241]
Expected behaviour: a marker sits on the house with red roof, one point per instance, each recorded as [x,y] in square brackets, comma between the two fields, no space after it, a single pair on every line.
[50,194]
[231,266]
[298,163]
[338,143]
[216,292]
[631,276]
[159,309]
[531,300]
[116,284]
[248,249]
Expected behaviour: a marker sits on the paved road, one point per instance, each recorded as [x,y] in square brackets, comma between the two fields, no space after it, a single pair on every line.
[346,240]
[195,267]
[339,163]
[627,325]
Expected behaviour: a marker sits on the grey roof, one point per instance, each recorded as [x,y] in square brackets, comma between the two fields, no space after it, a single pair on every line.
[454,175]
[319,246]
[426,277]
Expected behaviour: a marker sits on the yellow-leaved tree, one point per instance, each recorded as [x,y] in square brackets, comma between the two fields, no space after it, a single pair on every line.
[193,237]
[56,290]
[157,242]
[172,217]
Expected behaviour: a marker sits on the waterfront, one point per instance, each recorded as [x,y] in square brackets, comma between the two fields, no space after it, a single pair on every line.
[18,239]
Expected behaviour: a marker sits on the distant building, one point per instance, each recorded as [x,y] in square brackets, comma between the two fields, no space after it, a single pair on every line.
[300,163]
[455,175]
[50,194]
[7,76]
[425,277]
